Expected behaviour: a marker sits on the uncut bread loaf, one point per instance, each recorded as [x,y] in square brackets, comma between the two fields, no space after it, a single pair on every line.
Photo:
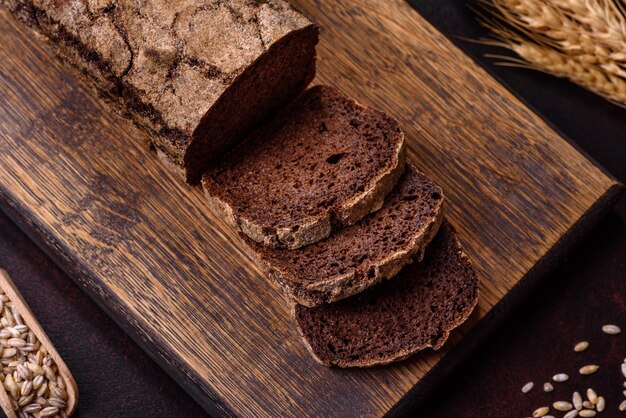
[398,317]
[322,163]
[196,74]
[359,256]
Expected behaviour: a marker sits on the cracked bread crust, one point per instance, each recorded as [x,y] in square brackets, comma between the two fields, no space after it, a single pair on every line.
[321,164]
[397,318]
[180,68]
[362,255]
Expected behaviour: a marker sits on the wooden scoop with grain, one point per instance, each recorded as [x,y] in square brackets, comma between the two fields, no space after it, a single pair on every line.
[35,380]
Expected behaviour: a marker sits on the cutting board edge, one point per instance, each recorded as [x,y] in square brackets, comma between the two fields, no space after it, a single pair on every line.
[510,302]
[212,403]
[215,407]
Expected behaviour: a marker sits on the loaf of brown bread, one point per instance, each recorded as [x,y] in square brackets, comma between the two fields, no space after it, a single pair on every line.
[398,317]
[322,163]
[359,256]
[196,74]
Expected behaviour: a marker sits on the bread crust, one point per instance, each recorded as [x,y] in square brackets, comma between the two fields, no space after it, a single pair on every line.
[178,69]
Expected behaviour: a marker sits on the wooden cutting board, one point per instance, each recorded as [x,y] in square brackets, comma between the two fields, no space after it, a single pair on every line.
[147,248]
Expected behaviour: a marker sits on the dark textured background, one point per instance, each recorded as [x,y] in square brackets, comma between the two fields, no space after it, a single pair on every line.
[116,378]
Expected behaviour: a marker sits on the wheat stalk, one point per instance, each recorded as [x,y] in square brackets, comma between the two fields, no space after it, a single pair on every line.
[582,40]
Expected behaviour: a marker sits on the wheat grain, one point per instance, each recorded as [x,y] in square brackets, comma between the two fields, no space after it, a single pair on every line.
[582,40]
[28,373]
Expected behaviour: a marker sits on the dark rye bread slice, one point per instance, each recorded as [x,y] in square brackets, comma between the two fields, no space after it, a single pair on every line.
[197,75]
[322,163]
[399,317]
[359,256]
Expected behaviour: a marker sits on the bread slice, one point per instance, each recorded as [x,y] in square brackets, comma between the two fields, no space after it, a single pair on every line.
[196,75]
[361,255]
[322,163]
[399,317]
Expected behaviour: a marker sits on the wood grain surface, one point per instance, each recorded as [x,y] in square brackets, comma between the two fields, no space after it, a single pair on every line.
[147,248]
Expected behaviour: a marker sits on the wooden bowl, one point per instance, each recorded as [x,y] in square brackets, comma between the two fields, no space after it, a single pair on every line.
[7,285]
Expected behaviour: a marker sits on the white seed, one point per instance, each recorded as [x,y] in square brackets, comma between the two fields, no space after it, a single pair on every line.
[592,396]
[38,381]
[21,328]
[601,404]
[25,400]
[540,412]
[9,352]
[33,407]
[42,389]
[547,387]
[624,372]
[27,388]
[588,405]
[58,402]
[47,370]
[561,377]
[622,406]
[577,400]
[49,411]
[528,387]
[581,346]
[588,369]
[585,413]
[59,393]
[611,329]
[35,369]
[571,414]
[562,406]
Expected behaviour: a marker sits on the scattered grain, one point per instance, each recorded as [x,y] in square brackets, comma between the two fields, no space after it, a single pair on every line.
[562,406]
[592,396]
[541,412]
[611,329]
[528,387]
[571,414]
[581,346]
[547,387]
[577,400]
[588,405]
[622,406]
[589,369]
[561,377]
[585,413]
[601,404]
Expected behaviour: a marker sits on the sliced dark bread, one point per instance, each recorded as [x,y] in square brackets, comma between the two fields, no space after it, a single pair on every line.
[196,75]
[359,256]
[322,163]
[399,317]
